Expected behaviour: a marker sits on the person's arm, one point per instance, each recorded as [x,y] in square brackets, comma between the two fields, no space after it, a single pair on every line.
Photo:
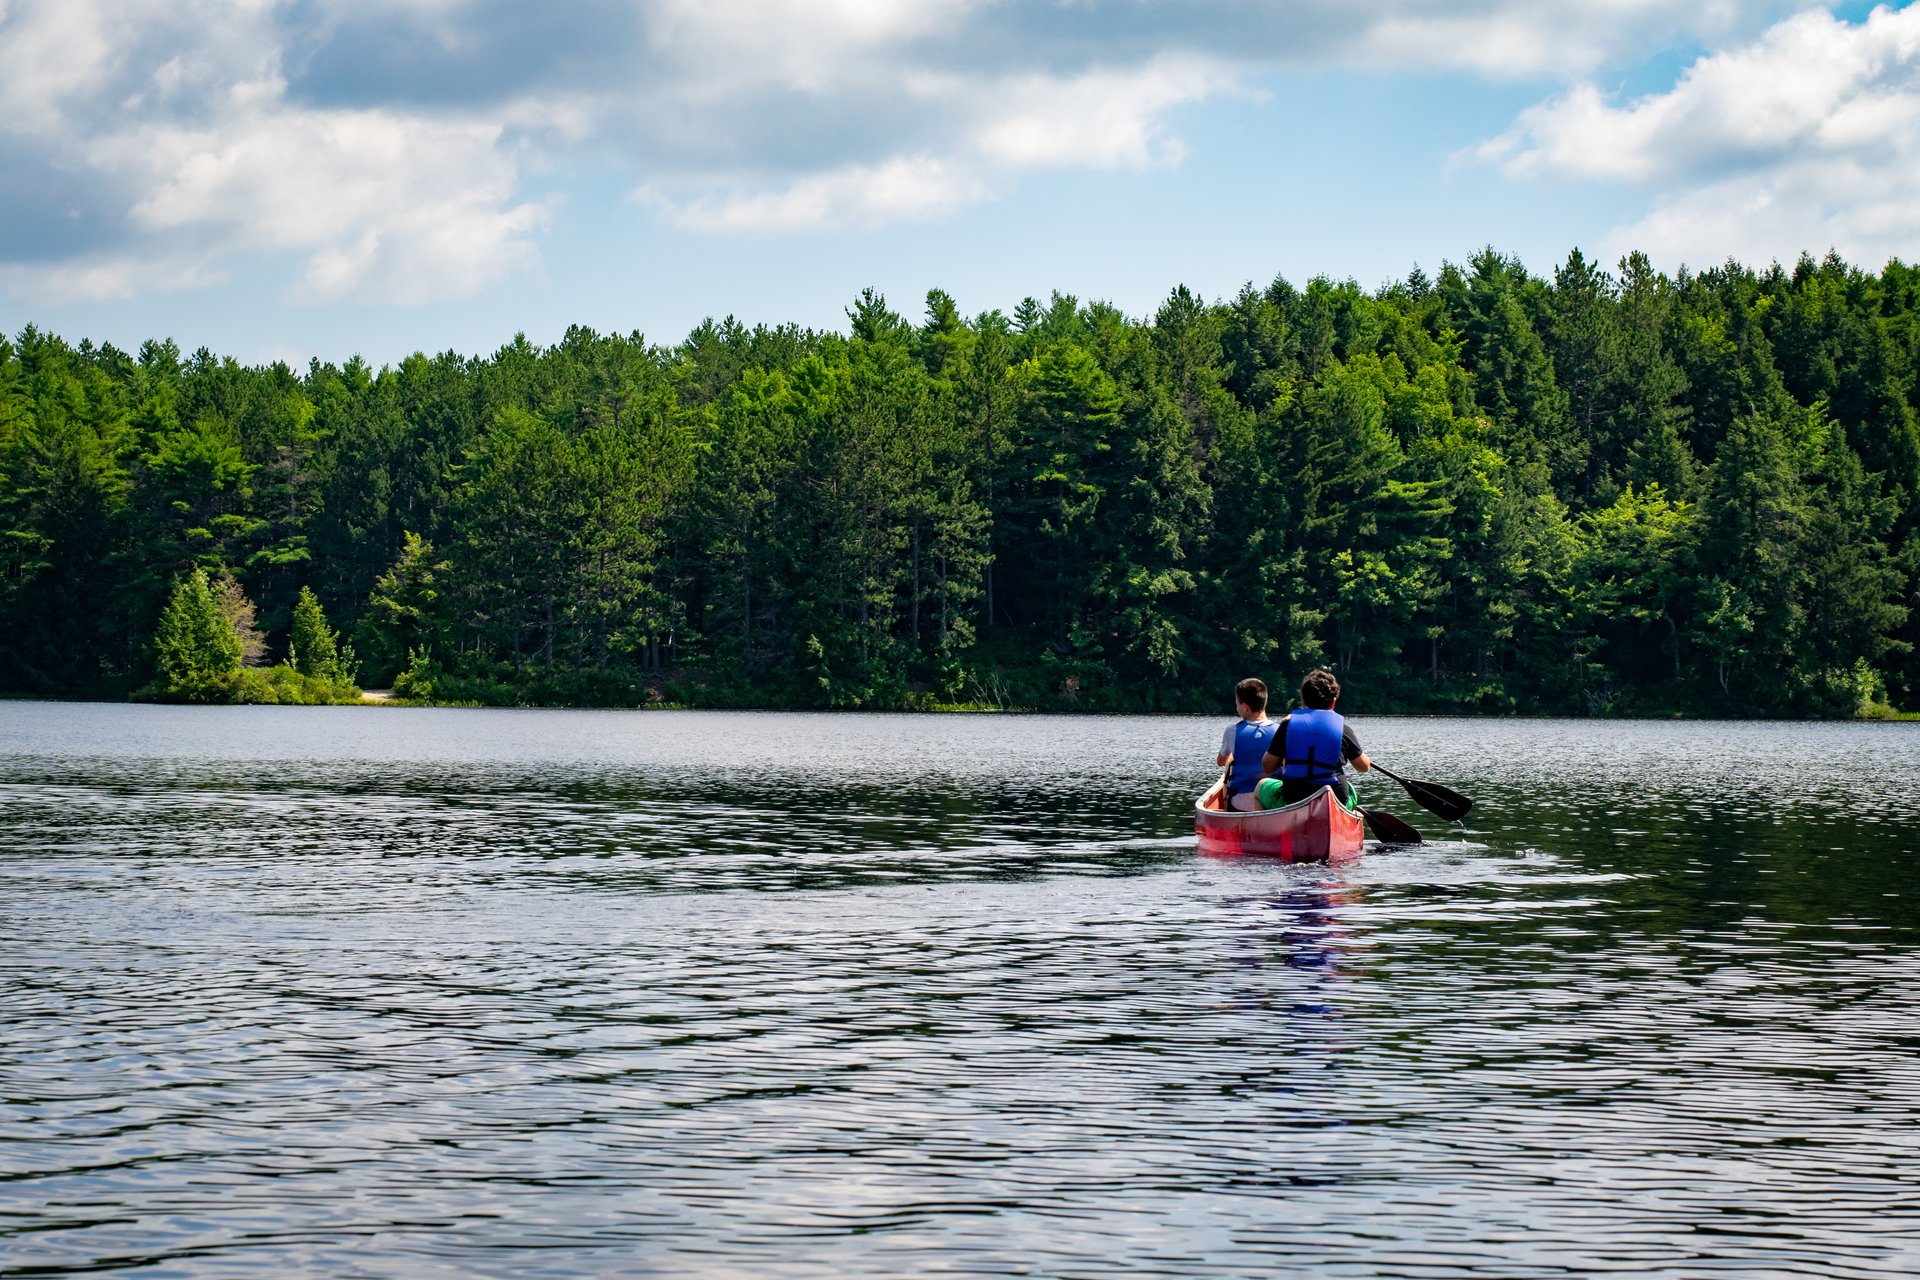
[1226,748]
[1277,745]
[1350,748]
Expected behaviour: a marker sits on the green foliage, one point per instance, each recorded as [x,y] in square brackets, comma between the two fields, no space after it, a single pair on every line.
[199,645]
[417,682]
[284,685]
[313,648]
[403,610]
[1607,491]
[196,653]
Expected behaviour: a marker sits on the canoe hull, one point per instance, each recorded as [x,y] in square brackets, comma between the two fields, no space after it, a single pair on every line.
[1317,829]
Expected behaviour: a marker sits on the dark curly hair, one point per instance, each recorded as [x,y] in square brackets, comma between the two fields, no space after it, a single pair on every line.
[1319,689]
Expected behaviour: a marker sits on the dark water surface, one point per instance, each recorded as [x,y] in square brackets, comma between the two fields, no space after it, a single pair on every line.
[378,991]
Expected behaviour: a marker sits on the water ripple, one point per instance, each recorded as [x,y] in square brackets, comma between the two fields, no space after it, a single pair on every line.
[458,994]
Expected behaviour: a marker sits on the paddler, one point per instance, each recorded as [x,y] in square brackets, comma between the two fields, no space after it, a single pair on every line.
[1244,745]
[1311,746]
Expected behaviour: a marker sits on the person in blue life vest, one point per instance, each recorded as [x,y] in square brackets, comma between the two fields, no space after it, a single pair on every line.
[1244,745]
[1312,746]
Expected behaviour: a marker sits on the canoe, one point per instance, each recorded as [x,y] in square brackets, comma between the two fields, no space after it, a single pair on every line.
[1317,829]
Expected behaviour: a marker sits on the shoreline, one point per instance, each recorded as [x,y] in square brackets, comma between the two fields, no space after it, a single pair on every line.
[386,698]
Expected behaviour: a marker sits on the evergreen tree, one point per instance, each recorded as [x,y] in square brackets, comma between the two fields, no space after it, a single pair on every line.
[1514,377]
[404,614]
[1629,581]
[1645,443]
[312,646]
[195,649]
[1755,507]
[1070,409]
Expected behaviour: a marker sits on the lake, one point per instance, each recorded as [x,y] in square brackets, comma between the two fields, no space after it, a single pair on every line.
[438,993]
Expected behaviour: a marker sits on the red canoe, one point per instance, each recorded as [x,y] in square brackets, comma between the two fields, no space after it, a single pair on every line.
[1317,829]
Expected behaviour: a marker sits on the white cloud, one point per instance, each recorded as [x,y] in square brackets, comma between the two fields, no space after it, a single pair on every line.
[1523,39]
[1811,81]
[104,277]
[385,207]
[53,53]
[911,188]
[729,47]
[1103,119]
[197,130]
[1866,213]
[380,149]
[1808,138]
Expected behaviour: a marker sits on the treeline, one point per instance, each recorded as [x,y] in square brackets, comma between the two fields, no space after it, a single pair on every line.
[1599,492]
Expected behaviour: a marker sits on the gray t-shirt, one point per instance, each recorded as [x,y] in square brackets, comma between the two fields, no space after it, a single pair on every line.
[1233,731]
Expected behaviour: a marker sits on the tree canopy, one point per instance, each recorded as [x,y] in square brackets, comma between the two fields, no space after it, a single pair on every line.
[1590,492]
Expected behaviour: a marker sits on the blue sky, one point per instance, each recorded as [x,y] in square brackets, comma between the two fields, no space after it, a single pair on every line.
[295,178]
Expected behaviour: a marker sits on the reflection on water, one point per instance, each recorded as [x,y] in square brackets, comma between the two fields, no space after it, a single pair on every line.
[339,992]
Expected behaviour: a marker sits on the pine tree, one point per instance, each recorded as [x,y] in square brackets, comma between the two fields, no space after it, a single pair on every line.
[1751,519]
[313,647]
[1070,411]
[405,611]
[194,647]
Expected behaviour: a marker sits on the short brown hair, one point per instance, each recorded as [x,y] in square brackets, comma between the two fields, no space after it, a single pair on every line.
[1319,689]
[1251,693]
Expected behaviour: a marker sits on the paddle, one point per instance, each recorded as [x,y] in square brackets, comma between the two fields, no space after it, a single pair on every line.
[1431,796]
[1388,829]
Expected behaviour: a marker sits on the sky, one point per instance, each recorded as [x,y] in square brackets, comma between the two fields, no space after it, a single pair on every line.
[295,179]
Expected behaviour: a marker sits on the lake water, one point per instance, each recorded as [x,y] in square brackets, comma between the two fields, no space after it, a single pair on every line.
[438,993]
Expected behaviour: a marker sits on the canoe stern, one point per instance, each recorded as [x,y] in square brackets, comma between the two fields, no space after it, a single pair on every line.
[1317,829]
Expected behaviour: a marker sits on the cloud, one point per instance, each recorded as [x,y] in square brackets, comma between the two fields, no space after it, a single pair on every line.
[1528,39]
[1806,138]
[1102,119]
[158,154]
[383,207]
[857,196]
[109,276]
[385,148]
[763,115]
[1098,120]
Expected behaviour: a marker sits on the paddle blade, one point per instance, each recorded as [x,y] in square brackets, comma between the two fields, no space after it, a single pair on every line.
[1431,796]
[1441,801]
[1390,830]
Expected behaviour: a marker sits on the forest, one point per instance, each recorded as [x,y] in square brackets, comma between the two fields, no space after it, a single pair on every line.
[1599,492]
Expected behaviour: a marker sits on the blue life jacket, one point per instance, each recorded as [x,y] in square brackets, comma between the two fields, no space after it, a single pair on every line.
[1311,751]
[1249,746]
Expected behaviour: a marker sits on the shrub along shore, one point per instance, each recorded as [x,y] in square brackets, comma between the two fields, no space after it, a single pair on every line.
[1591,492]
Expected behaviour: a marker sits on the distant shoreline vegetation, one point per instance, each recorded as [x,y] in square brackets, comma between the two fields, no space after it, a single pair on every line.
[1592,493]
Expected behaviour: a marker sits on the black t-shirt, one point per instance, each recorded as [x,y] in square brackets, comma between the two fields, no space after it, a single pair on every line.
[1349,745]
